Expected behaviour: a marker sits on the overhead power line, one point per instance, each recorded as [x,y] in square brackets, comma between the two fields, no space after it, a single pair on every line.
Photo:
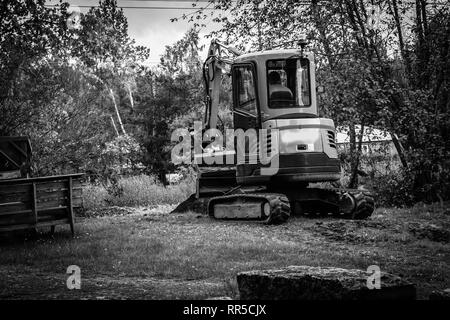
[193,1]
[182,8]
[140,7]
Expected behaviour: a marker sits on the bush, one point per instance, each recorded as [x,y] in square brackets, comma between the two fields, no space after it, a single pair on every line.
[394,189]
[94,196]
[138,191]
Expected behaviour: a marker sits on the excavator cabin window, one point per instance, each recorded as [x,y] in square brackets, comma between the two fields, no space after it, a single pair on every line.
[288,83]
[246,92]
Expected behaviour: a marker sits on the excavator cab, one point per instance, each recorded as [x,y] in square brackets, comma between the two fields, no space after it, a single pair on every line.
[275,90]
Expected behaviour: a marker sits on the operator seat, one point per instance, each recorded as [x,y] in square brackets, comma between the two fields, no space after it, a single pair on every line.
[276,90]
[279,92]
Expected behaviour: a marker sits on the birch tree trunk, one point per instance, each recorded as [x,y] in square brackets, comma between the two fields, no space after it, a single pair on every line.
[119,119]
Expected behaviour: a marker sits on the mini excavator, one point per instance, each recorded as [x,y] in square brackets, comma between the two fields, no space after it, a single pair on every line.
[273,92]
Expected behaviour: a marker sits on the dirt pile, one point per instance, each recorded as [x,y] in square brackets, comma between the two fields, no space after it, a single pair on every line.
[429,231]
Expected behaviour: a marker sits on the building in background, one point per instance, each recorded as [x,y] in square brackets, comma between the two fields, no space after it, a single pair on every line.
[374,142]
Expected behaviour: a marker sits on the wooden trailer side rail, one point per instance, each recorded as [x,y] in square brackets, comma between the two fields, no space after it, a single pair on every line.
[38,202]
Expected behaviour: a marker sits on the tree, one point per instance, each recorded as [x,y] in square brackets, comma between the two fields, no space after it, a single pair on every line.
[29,33]
[67,88]
[168,97]
[380,70]
[107,54]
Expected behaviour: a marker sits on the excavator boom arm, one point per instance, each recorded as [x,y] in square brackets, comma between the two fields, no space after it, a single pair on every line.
[220,56]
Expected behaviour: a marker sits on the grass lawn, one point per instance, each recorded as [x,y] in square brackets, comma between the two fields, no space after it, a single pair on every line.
[144,253]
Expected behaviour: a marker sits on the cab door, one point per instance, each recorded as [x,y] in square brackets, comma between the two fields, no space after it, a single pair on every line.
[246,114]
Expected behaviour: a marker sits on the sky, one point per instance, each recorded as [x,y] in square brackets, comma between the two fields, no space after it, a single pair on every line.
[152,27]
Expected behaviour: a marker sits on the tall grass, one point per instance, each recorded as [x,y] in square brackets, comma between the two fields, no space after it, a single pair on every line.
[138,191]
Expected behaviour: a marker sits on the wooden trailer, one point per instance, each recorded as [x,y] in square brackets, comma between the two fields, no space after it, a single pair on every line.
[29,203]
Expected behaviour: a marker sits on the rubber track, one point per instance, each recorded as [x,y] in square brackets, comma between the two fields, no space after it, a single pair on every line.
[364,204]
[279,205]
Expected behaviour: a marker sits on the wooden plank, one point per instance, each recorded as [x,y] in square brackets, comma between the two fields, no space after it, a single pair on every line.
[15,189]
[54,208]
[17,219]
[32,225]
[10,174]
[34,203]
[52,204]
[50,186]
[57,197]
[75,176]
[60,215]
[30,211]
[59,194]
[71,217]
[15,212]
[9,203]
[41,186]
[54,198]
[76,191]
[8,208]
[10,197]
[26,187]
[52,215]
[16,227]
[14,197]
[56,202]
[9,159]
[27,207]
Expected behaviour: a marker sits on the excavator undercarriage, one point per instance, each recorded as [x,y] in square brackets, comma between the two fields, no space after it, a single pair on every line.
[219,196]
[274,204]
